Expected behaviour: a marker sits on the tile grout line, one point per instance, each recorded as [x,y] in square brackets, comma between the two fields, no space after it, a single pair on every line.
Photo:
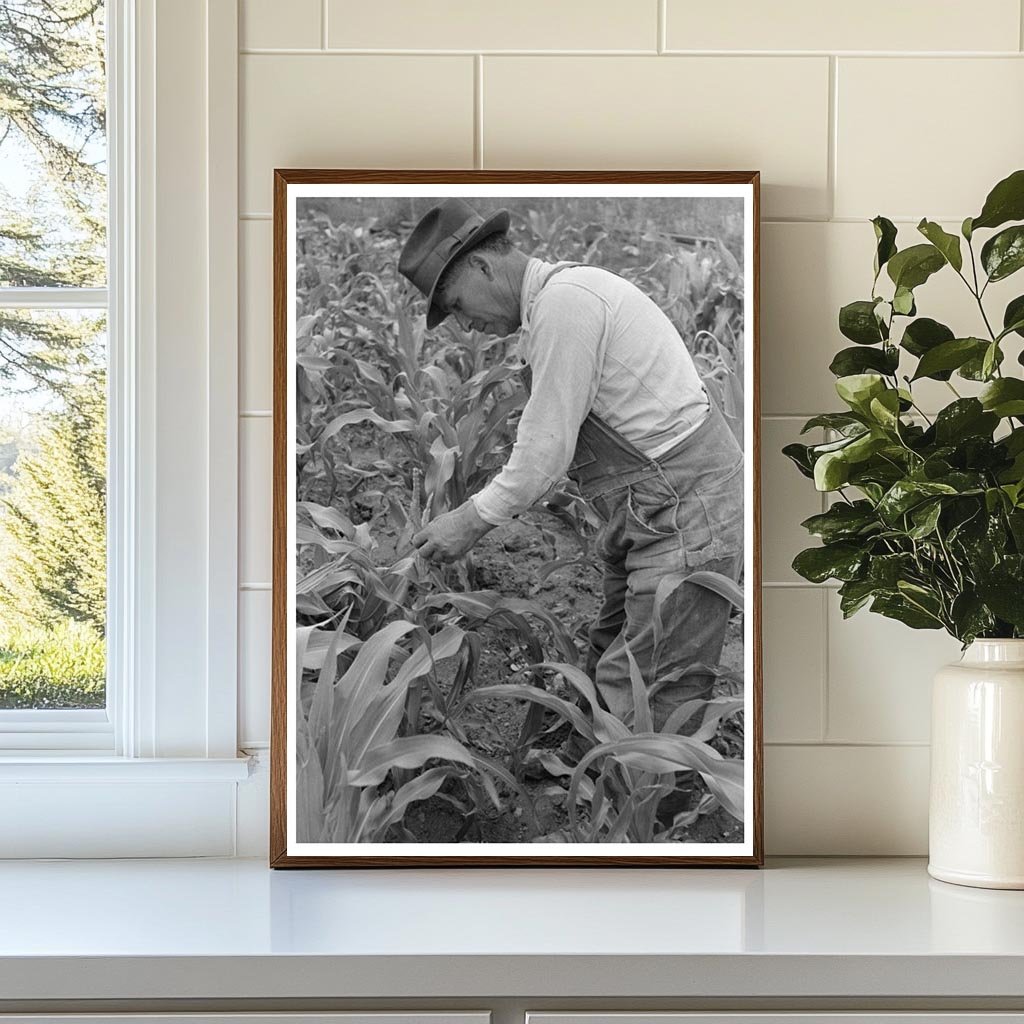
[1020,21]
[478,111]
[662,41]
[833,134]
[847,744]
[823,682]
[323,24]
[799,585]
[353,51]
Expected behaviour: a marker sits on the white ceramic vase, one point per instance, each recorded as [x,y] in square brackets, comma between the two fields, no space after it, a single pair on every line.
[976,815]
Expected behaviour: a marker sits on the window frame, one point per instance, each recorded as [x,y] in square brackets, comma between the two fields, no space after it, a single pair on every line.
[74,729]
[173,469]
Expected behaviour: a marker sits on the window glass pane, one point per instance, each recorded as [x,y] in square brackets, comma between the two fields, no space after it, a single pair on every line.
[53,148]
[52,509]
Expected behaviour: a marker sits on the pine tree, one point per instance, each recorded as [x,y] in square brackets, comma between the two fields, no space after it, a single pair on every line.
[53,519]
[53,117]
[53,123]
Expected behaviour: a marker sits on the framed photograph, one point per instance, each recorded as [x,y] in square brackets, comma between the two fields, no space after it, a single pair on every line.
[516,561]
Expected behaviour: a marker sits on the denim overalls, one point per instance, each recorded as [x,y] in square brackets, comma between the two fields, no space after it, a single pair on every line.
[679,513]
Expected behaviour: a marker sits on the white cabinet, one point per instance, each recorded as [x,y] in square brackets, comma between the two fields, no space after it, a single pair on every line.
[361,1017]
[786,1017]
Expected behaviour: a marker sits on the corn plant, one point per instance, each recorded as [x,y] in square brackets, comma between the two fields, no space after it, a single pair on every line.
[628,768]
[350,746]
[456,431]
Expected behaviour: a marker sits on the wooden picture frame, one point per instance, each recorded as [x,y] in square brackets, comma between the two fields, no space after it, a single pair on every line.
[314,796]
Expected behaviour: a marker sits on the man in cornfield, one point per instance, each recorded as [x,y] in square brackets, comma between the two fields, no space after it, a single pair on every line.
[616,404]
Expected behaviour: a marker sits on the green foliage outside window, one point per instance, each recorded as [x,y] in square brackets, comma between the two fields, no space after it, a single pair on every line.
[52,366]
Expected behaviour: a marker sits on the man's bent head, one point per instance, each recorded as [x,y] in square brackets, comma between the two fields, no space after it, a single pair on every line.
[464,264]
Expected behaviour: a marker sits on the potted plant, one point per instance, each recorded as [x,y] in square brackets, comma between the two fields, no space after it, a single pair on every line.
[927,521]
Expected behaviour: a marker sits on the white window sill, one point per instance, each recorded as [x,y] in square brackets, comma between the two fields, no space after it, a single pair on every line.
[78,766]
[77,805]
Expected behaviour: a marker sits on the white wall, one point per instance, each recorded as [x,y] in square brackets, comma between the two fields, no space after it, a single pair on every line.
[906,109]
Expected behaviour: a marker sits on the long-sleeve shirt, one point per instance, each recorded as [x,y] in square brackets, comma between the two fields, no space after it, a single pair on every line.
[593,341]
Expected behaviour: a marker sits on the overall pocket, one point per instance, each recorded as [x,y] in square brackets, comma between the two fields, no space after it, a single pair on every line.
[653,506]
[721,504]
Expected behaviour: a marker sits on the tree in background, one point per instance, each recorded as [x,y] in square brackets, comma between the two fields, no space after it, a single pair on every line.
[53,519]
[53,234]
[53,119]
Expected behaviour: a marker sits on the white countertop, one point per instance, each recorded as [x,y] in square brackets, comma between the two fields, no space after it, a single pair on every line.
[234,928]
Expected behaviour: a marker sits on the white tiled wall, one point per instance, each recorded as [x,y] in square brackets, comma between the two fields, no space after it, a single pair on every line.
[907,109]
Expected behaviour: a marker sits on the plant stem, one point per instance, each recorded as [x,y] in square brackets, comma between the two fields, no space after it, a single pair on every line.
[954,568]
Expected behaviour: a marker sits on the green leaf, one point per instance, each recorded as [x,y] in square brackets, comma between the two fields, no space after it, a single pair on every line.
[1003,254]
[857,321]
[903,302]
[854,594]
[924,334]
[1013,317]
[965,229]
[912,267]
[858,389]
[947,244]
[991,360]
[849,361]
[966,417]
[1003,596]
[885,410]
[799,455]
[831,471]
[840,561]
[925,518]
[1005,202]
[866,445]
[1004,397]
[840,421]
[905,494]
[886,571]
[950,355]
[995,500]
[885,236]
[971,618]
[843,521]
[974,368]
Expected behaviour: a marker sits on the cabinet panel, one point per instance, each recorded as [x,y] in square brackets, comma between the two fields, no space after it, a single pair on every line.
[775,1018]
[361,1017]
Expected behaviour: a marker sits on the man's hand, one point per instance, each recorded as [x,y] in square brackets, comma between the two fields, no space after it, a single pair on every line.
[451,535]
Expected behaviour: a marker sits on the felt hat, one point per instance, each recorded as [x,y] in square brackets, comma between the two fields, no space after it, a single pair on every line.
[444,233]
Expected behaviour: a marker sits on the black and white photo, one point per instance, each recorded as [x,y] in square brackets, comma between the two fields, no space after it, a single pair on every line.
[516,568]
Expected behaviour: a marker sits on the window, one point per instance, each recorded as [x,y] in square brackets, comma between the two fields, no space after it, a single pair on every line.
[168,287]
[53,372]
